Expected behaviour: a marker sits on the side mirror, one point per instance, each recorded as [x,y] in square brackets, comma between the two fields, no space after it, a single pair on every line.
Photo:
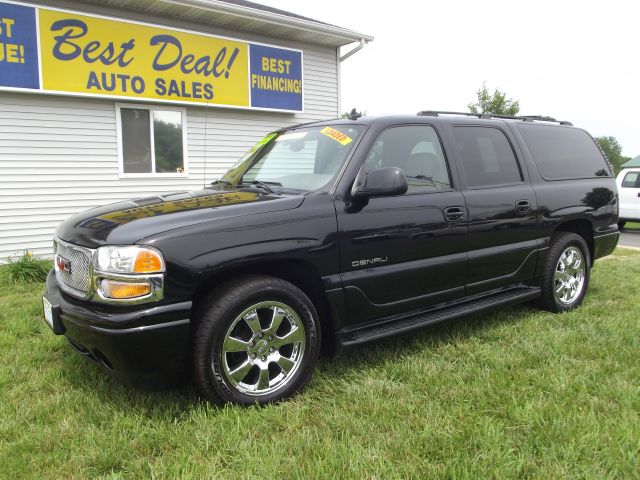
[382,182]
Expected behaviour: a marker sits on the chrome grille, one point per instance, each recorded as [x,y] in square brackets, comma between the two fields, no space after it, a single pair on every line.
[77,281]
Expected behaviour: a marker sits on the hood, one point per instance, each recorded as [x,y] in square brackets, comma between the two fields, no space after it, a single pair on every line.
[125,223]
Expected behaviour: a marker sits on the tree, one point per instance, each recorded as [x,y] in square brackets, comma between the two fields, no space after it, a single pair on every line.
[496,103]
[168,146]
[613,150]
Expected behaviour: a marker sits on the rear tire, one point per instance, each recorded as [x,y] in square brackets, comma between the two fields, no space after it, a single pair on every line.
[566,274]
[621,224]
[257,341]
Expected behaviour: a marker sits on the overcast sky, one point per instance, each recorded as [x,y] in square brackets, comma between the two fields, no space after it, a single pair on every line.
[576,61]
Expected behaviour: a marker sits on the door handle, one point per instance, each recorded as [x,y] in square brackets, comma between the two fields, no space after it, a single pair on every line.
[454,214]
[523,207]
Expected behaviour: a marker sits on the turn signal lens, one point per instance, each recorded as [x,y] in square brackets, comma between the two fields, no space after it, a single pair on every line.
[148,261]
[123,290]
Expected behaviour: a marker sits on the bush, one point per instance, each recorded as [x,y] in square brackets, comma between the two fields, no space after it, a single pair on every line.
[26,268]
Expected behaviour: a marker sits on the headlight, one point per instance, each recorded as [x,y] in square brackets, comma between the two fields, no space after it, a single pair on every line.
[129,259]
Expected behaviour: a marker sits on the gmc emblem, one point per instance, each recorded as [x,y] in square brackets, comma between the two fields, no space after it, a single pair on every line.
[63,264]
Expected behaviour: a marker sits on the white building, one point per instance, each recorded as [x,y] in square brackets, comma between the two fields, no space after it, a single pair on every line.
[106,100]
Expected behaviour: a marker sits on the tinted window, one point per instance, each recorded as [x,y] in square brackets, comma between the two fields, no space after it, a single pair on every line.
[487,157]
[417,151]
[631,180]
[563,152]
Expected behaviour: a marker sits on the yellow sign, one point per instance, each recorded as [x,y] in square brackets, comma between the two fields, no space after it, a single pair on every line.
[51,50]
[95,55]
[337,135]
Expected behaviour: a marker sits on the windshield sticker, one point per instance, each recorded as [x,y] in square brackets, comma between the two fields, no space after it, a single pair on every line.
[292,136]
[336,135]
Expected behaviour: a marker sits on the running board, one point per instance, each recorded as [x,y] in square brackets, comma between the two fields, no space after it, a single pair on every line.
[414,322]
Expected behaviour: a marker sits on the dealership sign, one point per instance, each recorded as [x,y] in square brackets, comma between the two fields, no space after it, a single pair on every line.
[61,52]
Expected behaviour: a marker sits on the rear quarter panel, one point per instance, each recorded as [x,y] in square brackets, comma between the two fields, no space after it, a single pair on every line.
[560,201]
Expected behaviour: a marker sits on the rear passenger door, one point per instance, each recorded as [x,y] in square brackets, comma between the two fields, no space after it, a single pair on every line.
[501,207]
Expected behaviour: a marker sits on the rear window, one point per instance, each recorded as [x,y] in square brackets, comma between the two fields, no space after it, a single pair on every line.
[563,153]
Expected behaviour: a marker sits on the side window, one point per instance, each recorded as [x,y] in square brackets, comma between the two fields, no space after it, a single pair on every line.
[562,152]
[631,180]
[486,156]
[416,150]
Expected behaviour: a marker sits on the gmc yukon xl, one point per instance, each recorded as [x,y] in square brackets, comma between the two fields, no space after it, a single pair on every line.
[338,232]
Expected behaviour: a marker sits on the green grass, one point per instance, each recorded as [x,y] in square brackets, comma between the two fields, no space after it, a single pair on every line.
[515,394]
[632,226]
[25,268]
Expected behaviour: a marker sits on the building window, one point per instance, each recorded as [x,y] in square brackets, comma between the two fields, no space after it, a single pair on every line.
[151,141]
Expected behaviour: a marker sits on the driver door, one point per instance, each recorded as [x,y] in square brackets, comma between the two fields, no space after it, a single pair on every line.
[405,252]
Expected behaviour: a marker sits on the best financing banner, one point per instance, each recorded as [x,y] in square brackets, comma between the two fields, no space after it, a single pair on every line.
[56,51]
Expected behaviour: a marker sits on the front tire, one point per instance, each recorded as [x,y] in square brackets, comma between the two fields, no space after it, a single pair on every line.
[257,341]
[621,224]
[567,271]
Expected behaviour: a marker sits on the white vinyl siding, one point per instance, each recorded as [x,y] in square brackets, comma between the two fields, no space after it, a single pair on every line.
[59,154]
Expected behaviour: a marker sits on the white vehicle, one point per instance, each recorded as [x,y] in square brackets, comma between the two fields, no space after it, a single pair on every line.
[628,182]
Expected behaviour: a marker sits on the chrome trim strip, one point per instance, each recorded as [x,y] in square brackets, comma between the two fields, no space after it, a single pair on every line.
[617,232]
[125,331]
[155,280]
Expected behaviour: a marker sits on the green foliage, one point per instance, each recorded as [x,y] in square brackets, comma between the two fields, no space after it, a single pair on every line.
[613,150]
[517,393]
[167,138]
[496,102]
[26,268]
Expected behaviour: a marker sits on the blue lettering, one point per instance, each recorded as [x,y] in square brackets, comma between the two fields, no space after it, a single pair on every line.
[92,81]
[170,54]
[161,88]
[63,40]
[165,41]
[65,49]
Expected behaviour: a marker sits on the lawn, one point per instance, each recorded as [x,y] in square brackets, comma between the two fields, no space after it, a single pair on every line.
[514,394]
[632,226]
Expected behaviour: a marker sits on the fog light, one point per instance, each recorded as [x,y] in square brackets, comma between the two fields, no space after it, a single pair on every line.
[123,290]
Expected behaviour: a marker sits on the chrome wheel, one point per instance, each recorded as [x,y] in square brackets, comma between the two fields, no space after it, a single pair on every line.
[263,348]
[569,277]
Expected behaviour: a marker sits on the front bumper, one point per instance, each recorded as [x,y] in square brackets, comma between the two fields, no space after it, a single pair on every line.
[146,345]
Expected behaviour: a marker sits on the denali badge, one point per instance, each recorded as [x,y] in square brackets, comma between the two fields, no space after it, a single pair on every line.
[63,264]
[369,261]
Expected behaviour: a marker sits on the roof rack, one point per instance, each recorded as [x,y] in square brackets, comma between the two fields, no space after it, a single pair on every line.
[524,118]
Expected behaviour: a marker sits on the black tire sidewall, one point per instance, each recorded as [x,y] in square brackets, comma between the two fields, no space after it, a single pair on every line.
[559,243]
[216,320]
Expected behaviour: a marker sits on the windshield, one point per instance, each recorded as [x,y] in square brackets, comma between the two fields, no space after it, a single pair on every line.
[304,159]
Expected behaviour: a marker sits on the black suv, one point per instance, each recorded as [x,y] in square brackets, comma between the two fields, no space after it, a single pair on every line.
[347,231]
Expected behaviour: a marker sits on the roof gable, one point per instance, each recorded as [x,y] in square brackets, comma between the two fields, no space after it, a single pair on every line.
[634,162]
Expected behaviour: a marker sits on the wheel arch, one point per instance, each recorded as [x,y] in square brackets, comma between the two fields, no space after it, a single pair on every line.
[582,227]
[303,275]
